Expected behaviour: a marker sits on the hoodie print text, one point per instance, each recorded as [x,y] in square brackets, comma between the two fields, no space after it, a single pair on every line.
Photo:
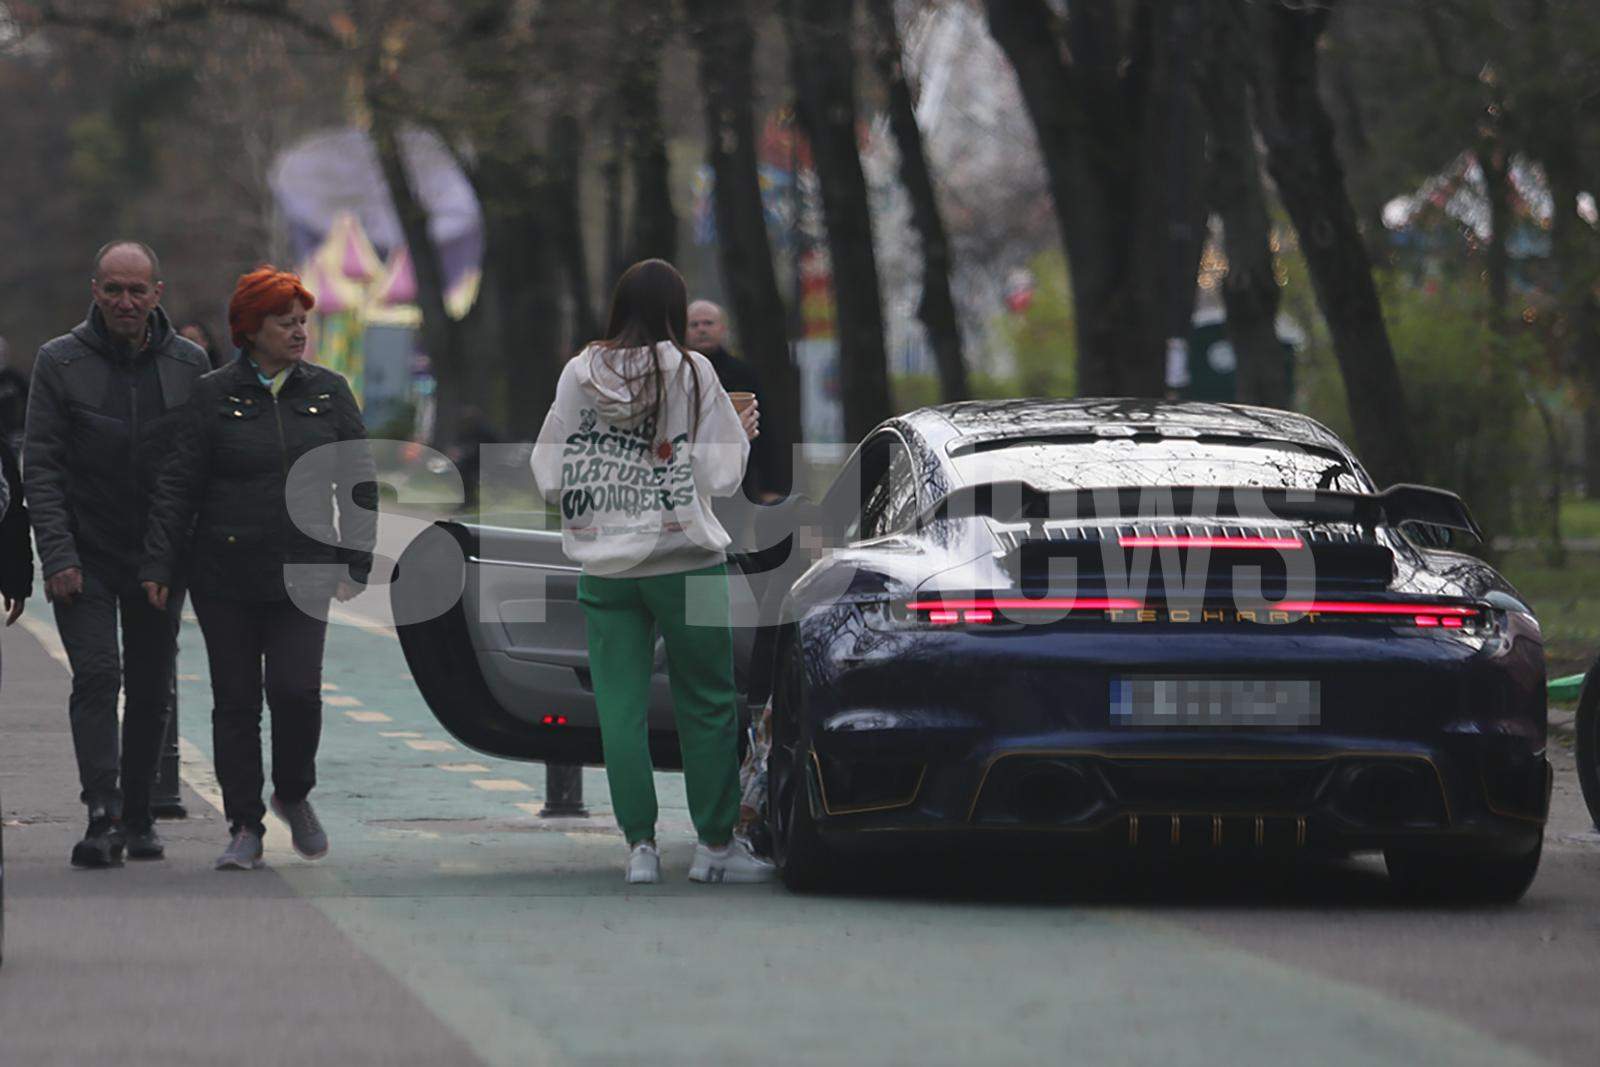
[623,470]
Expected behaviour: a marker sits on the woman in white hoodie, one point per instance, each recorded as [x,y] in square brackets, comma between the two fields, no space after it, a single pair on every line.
[640,438]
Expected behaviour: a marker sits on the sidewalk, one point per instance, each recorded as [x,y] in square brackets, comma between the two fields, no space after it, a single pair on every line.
[167,962]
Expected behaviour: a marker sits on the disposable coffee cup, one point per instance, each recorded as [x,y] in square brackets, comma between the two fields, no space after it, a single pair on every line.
[742,401]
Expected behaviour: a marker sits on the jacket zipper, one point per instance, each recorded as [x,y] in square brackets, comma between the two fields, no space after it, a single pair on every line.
[133,450]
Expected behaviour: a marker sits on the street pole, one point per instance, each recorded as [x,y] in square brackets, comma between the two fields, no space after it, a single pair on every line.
[165,800]
[563,792]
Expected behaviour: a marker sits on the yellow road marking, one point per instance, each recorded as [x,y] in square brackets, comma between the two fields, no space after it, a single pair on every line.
[502,785]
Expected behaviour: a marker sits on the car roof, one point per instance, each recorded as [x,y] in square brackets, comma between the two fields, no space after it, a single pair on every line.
[988,420]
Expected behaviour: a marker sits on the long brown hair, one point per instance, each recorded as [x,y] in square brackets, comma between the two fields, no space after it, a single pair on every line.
[650,305]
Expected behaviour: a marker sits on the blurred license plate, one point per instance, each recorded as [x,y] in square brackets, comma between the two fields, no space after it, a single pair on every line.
[1147,701]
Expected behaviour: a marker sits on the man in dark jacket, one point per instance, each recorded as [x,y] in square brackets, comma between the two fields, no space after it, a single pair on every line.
[768,477]
[104,403]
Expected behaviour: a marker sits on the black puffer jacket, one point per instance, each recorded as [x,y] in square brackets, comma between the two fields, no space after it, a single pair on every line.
[100,421]
[229,476]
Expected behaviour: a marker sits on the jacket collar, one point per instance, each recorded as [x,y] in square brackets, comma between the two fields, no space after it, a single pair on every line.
[93,333]
[242,372]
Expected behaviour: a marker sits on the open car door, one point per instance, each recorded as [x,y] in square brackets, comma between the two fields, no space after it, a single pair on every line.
[489,619]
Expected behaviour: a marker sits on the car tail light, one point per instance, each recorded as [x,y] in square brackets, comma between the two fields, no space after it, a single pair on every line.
[1187,541]
[554,720]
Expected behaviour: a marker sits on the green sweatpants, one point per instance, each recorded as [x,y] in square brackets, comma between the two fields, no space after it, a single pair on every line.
[619,613]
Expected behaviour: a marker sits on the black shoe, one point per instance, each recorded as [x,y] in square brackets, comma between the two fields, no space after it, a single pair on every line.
[102,842]
[145,844]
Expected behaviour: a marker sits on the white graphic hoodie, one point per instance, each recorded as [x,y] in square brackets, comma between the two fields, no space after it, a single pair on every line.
[635,495]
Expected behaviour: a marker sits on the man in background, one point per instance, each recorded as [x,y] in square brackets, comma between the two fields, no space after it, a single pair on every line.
[13,400]
[768,477]
[101,416]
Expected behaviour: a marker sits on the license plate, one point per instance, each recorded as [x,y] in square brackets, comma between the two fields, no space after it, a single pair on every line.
[1147,701]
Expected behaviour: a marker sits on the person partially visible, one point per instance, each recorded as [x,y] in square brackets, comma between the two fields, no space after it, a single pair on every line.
[476,431]
[200,334]
[16,547]
[13,399]
[101,414]
[639,440]
[769,477]
[251,476]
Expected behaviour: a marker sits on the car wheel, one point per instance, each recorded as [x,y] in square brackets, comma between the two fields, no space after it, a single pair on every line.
[802,857]
[1588,727]
[1463,879]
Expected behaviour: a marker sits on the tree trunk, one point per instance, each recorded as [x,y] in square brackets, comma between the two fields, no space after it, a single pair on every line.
[1088,115]
[937,308]
[1576,250]
[566,219]
[725,42]
[824,75]
[1250,289]
[518,312]
[1304,163]
[613,175]
[441,335]
[644,28]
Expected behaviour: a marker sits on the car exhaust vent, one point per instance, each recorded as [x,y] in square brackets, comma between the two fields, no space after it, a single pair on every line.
[1038,792]
[1389,794]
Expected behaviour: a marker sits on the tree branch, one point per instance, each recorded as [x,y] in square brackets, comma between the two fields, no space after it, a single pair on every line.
[278,11]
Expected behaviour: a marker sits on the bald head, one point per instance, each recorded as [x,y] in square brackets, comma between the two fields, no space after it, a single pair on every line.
[127,253]
[126,287]
[708,327]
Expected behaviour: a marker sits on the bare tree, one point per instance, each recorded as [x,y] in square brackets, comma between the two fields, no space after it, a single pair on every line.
[1250,288]
[1305,166]
[823,61]
[937,309]
[1114,112]
[724,41]
[643,29]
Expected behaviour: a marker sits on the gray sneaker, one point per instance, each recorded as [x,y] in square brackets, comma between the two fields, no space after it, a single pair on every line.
[305,832]
[243,852]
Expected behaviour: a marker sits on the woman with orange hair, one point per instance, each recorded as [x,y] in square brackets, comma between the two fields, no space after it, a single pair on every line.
[244,509]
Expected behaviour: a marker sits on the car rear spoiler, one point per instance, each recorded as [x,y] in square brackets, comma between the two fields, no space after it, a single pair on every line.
[1016,501]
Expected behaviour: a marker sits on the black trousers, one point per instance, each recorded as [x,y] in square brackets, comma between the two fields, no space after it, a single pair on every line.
[117,776]
[240,636]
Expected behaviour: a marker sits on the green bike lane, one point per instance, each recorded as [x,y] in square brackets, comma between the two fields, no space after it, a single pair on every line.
[519,934]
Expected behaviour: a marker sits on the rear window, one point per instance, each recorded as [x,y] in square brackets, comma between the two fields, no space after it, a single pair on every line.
[1103,463]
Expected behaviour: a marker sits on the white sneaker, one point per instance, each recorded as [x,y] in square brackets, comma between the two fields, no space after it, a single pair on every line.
[733,862]
[644,863]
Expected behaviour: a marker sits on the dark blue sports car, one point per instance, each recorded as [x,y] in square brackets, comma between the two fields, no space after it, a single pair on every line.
[1132,625]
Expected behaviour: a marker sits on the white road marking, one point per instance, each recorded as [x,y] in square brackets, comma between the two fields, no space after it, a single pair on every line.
[367,716]
[341,702]
[397,733]
[432,746]
[463,768]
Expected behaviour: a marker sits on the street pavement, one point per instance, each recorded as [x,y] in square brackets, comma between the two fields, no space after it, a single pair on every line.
[452,925]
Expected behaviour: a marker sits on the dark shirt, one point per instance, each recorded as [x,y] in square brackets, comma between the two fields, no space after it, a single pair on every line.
[768,471]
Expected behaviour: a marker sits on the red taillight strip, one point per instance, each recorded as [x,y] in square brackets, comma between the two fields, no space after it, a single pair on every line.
[1183,541]
[1047,603]
[949,609]
[1370,607]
